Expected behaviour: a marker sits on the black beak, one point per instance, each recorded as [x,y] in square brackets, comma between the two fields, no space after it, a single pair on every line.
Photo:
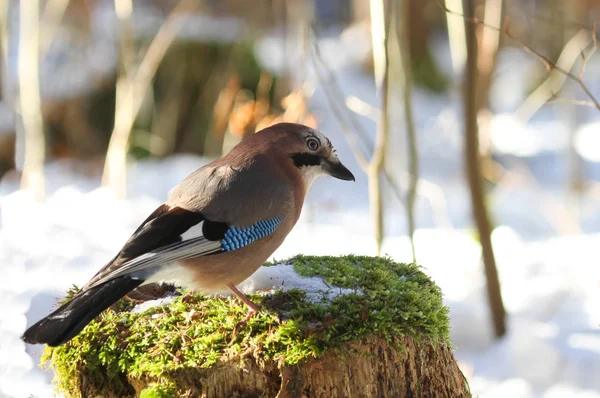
[336,169]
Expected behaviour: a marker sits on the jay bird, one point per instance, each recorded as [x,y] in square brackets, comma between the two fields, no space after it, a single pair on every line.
[217,227]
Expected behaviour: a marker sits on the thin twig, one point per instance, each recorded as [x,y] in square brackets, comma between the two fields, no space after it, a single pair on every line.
[556,98]
[351,126]
[545,60]
[361,107]
[347,131]
[327,80]
[552,66]
[373,167]
[555,80]
[586,57]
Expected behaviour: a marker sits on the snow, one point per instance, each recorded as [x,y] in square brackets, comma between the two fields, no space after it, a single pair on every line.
[587,142]
[146,305]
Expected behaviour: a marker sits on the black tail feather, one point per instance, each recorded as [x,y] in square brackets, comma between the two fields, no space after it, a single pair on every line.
[70,318]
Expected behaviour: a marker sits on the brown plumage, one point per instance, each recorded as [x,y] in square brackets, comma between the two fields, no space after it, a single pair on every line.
[218,226]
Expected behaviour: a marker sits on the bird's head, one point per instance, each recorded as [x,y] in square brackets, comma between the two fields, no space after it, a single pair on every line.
[310,152]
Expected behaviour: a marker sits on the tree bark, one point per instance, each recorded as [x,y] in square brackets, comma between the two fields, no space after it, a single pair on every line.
[370,367]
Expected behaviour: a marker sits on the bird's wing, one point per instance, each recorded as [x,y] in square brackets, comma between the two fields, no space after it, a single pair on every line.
[172,233]
[238,196]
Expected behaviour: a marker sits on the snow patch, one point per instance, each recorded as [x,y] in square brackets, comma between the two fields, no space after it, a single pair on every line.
[267,280]
[146,305]
[284,277]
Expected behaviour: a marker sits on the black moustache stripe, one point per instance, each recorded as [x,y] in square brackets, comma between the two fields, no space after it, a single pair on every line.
[306,159]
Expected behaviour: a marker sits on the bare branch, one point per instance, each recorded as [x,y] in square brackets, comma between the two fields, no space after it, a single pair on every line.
[545,60]
[556,98]
[130,94]
[555,80]
[552,66]
[586,57]
[352,128]
[361,107]
[331,89]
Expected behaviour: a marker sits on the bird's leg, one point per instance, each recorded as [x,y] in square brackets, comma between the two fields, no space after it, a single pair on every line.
[254,308]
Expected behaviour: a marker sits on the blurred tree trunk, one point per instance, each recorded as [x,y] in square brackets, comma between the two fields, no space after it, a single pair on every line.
[417,29]
[115,167]
[473,166]
[404,15]
[379,33]
[488,42]
[7,138]
[29,96]
[132,85]
[424,70]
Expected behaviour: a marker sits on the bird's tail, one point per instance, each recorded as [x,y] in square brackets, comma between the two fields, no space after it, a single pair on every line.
[70,318]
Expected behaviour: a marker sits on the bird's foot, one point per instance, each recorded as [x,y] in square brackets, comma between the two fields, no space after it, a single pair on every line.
[254,309]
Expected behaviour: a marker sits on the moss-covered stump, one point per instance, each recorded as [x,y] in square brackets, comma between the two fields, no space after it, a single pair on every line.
[362,327]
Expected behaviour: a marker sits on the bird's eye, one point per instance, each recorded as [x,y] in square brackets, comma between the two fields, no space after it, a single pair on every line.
[312,144]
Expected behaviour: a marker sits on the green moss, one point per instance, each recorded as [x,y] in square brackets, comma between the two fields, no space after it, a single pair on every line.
[195,331]
[158,391]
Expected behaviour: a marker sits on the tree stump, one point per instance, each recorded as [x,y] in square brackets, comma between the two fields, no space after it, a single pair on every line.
[332,327]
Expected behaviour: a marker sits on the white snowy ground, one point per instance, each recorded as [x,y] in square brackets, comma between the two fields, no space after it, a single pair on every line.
[551,287]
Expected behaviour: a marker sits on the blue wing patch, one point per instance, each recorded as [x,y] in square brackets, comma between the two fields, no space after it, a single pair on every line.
[236,238]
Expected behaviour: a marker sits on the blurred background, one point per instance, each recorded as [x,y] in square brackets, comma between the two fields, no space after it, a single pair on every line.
[472,126]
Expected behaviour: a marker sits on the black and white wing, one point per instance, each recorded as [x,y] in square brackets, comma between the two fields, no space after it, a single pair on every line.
[167,235]
[170,235]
